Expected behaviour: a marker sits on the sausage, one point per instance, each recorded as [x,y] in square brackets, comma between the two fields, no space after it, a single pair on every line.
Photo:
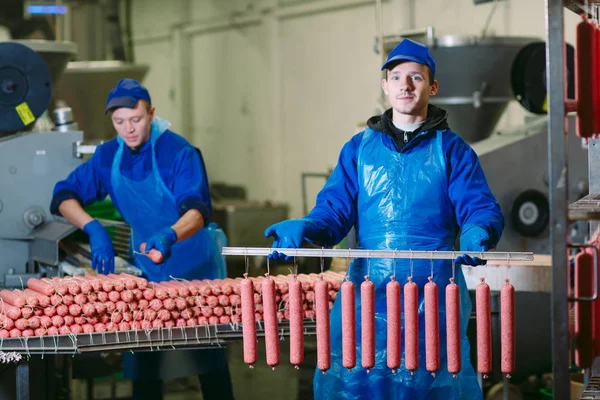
[584,287]
[393,324]
[507,324]
[42,287]
[30,300]
[155,255]
[43,300]
[58,285]
[271,324]
[432,327]
[348,325]
[453,328]
[411,326]
[114,296]
[75,329]
[10,311]
[69,320]
[484,328]
[67,299]
[62,310]
[87,328]
[13,299]
[127,296]
[148,294]
[584,75]
[248,320]
[296,324]
[80,299]
[367,299]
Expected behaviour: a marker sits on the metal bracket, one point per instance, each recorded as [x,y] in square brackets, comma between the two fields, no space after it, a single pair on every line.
[595,249]
[80,149]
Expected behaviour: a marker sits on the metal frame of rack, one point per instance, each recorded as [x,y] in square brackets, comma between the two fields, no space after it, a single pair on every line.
[561,213]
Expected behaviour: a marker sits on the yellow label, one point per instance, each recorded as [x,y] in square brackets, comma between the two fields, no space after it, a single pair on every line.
[545,105]
[25,113]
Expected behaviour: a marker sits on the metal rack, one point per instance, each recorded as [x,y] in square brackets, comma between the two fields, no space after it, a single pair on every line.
[358,253]
[561,213]
[157,339]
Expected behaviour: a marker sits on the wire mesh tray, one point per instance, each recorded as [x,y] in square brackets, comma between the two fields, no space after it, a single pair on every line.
[157,339]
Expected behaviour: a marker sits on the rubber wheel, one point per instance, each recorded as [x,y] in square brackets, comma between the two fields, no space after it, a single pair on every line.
[530,213]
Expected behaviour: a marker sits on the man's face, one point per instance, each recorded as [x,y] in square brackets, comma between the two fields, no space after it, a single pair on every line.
[133,124]
[408,88]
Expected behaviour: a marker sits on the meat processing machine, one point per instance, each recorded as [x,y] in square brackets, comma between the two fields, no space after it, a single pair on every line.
[36,152]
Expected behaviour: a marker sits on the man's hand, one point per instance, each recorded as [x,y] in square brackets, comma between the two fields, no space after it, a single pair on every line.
[288,234]
[474,239]
[162,241]
[103,253]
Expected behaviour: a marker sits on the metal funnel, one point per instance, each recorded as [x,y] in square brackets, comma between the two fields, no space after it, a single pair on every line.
[474,76]
[56,54]
[84,87]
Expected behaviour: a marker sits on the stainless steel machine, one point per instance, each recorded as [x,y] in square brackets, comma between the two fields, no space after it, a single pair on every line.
[36,152]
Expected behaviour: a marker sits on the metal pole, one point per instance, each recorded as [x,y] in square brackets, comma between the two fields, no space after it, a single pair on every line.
[22,383]
[557,168]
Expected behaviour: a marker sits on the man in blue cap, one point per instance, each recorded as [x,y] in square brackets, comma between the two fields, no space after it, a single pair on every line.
[157,181]
[407,182]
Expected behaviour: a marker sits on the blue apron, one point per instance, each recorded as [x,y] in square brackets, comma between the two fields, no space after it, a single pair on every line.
[403,204]
[149,206]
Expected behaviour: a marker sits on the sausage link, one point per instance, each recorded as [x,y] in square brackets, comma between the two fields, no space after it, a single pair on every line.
[484,328]
[348,325]
[296,323]
[322,311]
[432,327]
[367,299]
[411,326]
[248,321]
[583,78]
[394,318]
[453,328]
[507,323]
[271,324]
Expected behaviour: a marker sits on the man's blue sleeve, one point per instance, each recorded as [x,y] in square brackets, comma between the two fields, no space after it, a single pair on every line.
[84,184]
[190,183]
[473,200]
[335,211]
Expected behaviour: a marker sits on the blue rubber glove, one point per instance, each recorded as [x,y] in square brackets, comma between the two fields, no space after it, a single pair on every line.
[103,253]
[162,241]
[473,239]
[288,234]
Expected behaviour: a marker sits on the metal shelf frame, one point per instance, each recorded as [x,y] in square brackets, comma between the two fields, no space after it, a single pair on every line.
[561,213]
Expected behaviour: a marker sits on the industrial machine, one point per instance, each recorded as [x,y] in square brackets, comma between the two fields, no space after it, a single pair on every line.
[36,153]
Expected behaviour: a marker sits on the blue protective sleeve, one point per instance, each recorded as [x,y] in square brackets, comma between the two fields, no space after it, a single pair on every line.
[84,184]
[190,183]
[473,201]
[335,211]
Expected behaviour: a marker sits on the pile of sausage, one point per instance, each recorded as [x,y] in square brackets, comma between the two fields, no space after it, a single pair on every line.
[101,303]
[322,289]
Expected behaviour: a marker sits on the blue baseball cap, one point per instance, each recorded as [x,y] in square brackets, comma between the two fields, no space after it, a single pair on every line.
[409,50]
[127,93]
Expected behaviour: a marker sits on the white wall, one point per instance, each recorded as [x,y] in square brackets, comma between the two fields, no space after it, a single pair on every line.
[276,95]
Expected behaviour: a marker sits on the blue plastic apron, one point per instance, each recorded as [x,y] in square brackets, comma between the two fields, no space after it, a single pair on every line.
[149,206]
[403,204]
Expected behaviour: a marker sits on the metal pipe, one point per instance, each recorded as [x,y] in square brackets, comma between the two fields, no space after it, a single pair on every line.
[359,253]
[557,170]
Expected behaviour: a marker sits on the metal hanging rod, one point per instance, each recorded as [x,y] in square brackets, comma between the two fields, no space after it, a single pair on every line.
[358,253]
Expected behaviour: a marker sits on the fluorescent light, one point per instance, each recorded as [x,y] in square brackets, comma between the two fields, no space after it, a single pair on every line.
[41,9]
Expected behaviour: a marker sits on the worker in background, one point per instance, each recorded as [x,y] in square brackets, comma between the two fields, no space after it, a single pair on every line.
[406,182]
[157,182]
